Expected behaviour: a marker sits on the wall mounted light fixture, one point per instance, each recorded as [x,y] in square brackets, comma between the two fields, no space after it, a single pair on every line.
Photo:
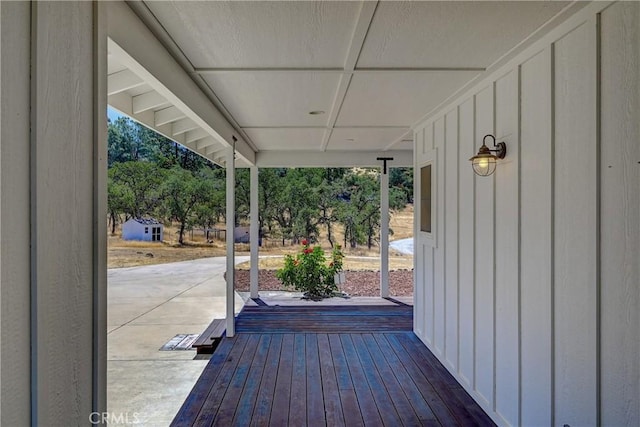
[484,163]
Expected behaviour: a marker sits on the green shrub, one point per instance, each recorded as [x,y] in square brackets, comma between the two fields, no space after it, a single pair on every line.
[308,272]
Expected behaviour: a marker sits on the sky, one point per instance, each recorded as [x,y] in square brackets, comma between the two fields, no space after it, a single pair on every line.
[113,114]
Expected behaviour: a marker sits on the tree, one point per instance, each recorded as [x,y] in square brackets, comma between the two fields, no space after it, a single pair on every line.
[402,179]
[136,188]
[118,198]
[327,196]
[296,204]
[243,194]
[182,193]
[208,212]
[359,211]
[270,185]
[122,144]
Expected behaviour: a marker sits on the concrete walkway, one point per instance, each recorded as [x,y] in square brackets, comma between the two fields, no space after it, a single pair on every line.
[147,306]
[404,246]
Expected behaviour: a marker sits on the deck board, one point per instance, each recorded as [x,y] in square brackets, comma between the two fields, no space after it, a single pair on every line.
[298,401]
[315,398]
[320,366]
[330,393]
[230,400]
[423,411]
[246,404]
[366,401]
[282,394]
[389,382]
[262,410]
[325,319]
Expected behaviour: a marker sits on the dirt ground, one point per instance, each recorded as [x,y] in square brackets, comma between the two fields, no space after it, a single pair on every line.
[359,283]
[123,253]
[361,264]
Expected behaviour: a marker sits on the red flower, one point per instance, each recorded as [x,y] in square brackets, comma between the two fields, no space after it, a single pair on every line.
[308,251]
[305,242]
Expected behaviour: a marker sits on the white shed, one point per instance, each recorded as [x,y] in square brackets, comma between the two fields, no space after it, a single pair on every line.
[147,229]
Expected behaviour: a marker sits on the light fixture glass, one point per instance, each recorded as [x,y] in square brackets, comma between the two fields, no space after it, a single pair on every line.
[484,163]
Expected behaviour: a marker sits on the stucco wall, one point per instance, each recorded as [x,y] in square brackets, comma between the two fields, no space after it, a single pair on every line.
[529,291]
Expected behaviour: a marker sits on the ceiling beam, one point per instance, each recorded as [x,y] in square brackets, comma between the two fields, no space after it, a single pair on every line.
[121,81]
[194,135]
[367,10]
[121,102]
[136,47]
[408,136]
[215,152]
[148,101]
[346,159]
[150,20]
[205,142]
[168,115]
[331,70]
[183,125]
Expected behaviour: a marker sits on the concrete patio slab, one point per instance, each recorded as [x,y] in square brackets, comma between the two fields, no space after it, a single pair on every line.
[147,306]
[150,392]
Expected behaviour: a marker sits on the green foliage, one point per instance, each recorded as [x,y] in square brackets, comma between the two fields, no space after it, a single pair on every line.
[150,175]
[130,141]
[401,180]
[183,193]
[133,188]
[308,272]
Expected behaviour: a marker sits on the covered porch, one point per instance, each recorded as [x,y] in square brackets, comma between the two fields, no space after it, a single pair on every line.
[526,281]
[348,365]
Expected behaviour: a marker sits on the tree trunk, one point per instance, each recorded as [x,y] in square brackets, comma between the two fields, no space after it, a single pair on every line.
[113,223]
[181,235]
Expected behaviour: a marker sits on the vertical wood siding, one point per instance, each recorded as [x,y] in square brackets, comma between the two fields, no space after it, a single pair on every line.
[507,224]
[438,256]
[62,193]
[531,295]
[466,246]
[450,236]
[620,213]
[536,236]
[575,227]
[14,214]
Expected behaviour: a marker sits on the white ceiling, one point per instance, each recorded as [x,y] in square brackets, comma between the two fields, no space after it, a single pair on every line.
[374,68]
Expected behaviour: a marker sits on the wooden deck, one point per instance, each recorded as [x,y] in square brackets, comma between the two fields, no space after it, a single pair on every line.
[329,319]
[342,375]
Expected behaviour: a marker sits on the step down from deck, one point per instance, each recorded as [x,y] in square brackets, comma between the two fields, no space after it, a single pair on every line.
[210,338]
[325,319]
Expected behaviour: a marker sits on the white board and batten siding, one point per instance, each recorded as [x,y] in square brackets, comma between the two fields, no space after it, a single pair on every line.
[528,291]
[52,183]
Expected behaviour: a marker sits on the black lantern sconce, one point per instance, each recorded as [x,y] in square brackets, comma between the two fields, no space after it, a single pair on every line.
[484,163]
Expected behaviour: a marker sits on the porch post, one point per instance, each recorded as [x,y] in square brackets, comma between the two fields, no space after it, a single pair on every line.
[230,217]
[254,232]
[52,171]
[384,232]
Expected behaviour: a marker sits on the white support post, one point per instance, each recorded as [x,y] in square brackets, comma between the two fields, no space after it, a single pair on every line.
[254,232]
[231,215]
[384,232]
